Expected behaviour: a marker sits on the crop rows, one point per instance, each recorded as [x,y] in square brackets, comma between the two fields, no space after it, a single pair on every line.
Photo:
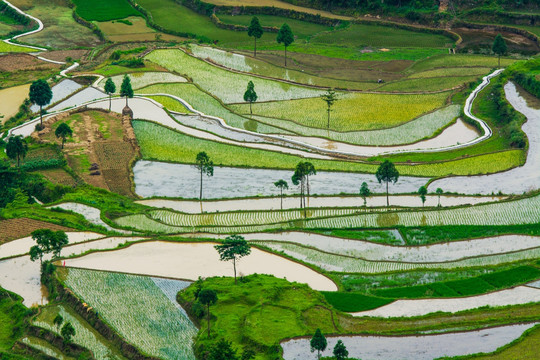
[457,71]
[208,105]
[352,112]
[205,76]
[84,335]
[423,127]
[458,60]
[136,308]
[427,84]
[242,63]
[340,263]
[242,218]
[142,79]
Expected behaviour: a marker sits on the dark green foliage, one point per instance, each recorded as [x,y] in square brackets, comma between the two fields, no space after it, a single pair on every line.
[250,95]
[67,332]
[281,185]
[16,148]
[118,53]
[110,88]
[467,287]
[205,167]
[222,350]
[58,320]
[528,82]
[340,351]
[285,36]
[104,10]
[40,94]
[234,247]
[208,297]
[330,97]
[387,172]
[47,241]
[126,90]
[63,131]
[301,175]
[422,192]
[10,12]
[353,302]
[255,29]
[499,47]
[318,342]
[365,192]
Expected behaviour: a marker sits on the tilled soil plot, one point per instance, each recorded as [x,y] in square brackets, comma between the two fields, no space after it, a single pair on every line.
[13,229]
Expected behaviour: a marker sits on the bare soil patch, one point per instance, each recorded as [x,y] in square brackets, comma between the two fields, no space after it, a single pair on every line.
[16,62]
[59,176]
[119,32]
[12,99]
[101,150]
[13,229]
[483,39]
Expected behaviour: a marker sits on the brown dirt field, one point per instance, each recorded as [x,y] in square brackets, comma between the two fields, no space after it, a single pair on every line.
[61,55]
[13,229]
[101,138]
[139,31]
[58,176]
[16,62]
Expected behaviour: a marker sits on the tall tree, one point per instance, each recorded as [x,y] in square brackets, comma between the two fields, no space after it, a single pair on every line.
[281,185]
[330,97]
[58,320]
[41,95]
[36,253]
[255,29]
[499,47]
[250,95]
[208,297]
[340,351]
[205,167]
[233,248]
[365,192]
[439,192]
[387,172]
[67,332]
[301,177]
[126,89]
[110,88]
[16,148]
[63,131]
[285,36]
[422,192]
[59,240]
[318,342]
[47,241]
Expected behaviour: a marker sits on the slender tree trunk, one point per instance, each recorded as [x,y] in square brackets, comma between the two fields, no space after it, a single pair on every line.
[328,124]
[234,266]
[387,200]
[208,317]
[18,160]
[126,101]
[281,198]
[285,56]
[41,114]
[439,204]
[250,111]
[307,186]
[499,60]
[200,193]
[110,102]
[63,141]
[255,50]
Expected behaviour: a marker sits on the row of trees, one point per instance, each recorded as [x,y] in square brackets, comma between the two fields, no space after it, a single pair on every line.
[318,342]
[285,35]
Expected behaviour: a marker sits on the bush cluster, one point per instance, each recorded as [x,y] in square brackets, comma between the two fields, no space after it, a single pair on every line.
[507,117]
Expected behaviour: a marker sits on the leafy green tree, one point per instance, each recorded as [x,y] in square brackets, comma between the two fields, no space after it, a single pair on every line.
[422,192]
[330,97]
[67,332]
[58,320]
[63,131]
[439,192]
[365,192]
[318,342]
[301,177]
[126,89]
[36,253]
[205,167]
[16,148]
[250,95]
[222,350]
[248,354]
[255,29]
[281,185]
[499,47]
[208,297]
[340,351]
[110,88]
[40,94]
[285,36]
[387,172]
[59,240]
[234,247]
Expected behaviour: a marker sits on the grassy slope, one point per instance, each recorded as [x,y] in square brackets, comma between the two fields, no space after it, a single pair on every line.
[12,315]
[104,10]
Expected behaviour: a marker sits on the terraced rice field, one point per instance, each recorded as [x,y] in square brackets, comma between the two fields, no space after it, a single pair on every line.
[142,79]
[204,75]
[122,300]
